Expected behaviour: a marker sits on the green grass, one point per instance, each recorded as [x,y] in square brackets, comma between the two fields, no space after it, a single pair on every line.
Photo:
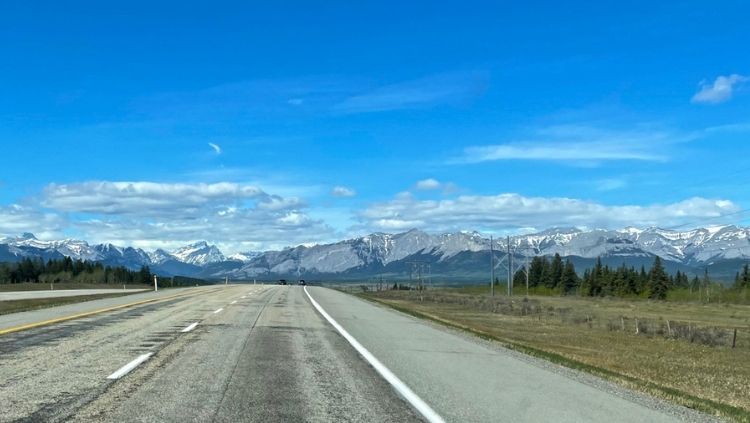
[17,306]
[712,379]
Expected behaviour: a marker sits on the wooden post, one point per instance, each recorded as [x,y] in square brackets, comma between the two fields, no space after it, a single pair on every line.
[669,329]
[622,323]
[734,338]
[637,329]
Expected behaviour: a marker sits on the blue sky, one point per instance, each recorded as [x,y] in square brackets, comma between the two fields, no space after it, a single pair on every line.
[260,125]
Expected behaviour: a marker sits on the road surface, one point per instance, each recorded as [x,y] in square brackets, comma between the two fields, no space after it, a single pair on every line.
[267,354]
[24,295]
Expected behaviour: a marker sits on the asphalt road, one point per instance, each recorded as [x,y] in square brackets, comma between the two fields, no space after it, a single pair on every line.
[24,295]
[264,353]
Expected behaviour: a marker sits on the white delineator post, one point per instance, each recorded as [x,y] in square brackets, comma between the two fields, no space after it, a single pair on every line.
[156,285]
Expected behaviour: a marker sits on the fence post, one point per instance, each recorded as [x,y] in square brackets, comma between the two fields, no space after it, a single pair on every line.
[669,329]
[734,338]
[637,329]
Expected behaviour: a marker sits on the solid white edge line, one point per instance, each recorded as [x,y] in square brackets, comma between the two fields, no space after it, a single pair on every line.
[189,328]
[425,410]
[219,310]
[130,366]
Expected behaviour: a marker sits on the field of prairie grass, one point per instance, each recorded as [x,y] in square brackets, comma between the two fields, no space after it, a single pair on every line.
[674,350]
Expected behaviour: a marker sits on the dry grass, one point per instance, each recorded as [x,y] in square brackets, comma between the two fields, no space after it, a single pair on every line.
[17,306]
[587,334]
[31,286]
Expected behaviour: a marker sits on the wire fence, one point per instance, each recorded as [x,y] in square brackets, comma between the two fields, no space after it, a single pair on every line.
[708,335]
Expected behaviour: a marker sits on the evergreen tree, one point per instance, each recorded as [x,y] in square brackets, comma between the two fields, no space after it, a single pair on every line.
[569,280]
[536,271]
[658,281]
[556,271]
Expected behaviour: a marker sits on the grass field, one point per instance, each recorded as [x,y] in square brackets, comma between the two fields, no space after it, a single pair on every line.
[688,360]
[16,306]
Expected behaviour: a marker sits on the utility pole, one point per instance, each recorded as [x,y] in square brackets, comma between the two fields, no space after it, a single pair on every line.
[510,270]
[527,274]
[492,268]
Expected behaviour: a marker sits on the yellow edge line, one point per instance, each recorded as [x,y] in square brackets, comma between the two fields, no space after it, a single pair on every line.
[86,314]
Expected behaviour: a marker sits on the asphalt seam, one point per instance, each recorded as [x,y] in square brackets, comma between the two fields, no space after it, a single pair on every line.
[236,364]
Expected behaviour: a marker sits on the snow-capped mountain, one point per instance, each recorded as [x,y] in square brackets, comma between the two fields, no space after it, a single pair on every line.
[27,245]
[68,247]
[199,254]
[377,252]
[451,253]
[160,256]
[244,256]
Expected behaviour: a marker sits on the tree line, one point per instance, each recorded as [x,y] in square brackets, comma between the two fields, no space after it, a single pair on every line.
[623,281]
[69,270]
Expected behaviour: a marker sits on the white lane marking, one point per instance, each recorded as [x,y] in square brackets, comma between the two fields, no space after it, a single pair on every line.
[130,366]
[425,410]
[189,328]
[243,298]
[219,310]
[234,302]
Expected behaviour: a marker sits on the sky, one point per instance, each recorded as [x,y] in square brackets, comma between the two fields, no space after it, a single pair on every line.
[259,125]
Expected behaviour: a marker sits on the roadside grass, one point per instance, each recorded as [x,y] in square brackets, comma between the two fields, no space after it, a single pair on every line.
[577,333]
[17,306]
[38,286]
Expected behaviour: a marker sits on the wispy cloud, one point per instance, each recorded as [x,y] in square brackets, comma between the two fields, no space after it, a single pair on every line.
[720,90]
[428,184]
[215,147]
[610,184]
[341,191]
[580,143]
[513,211]
[424,92]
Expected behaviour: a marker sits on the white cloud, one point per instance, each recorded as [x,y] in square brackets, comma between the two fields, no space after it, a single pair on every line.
[720,91]
[340,191]
[16,219]
[215,147]
[428,184]
[144,198]
[513,211]
[581,143]
[148,214]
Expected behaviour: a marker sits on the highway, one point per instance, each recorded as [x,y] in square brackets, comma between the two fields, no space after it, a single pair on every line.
[280,354]
[23,295]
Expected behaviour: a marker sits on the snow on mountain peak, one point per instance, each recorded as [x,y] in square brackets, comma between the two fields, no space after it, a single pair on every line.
[199,254]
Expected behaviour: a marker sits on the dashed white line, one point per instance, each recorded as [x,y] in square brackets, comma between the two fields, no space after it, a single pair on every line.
[189,328]
[425,410]
[130,366]
[234,302]
[243,298]
[219,310]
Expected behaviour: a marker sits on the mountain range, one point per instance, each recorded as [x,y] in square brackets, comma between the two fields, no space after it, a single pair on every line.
[452,256]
